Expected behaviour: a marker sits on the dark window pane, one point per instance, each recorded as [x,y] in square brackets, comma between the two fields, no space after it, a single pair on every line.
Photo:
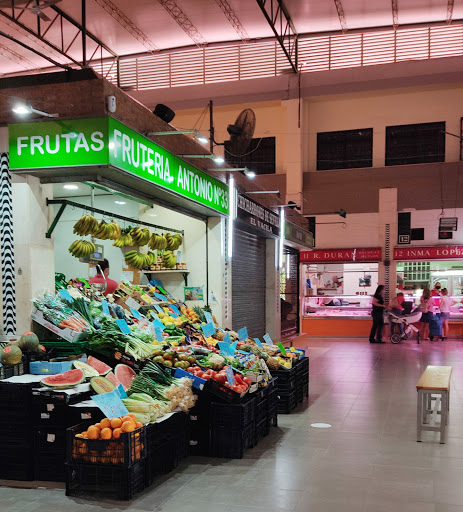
[417,234]
[344,150]
[259,157]
[415,143]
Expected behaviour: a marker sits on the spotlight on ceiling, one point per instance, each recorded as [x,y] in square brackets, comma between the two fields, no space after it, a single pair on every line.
[70,186]
[26,108]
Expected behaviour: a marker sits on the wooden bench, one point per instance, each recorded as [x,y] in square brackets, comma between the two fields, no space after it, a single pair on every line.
[435,380]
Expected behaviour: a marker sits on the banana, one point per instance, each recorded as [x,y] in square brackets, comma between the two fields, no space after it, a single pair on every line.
[85,225]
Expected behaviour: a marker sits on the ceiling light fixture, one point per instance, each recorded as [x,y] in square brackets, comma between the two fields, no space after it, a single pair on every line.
[277,192]
[196,135]
[247,172]
[217,159]
[25,109]
[341,212]
[120,202]
[70,187]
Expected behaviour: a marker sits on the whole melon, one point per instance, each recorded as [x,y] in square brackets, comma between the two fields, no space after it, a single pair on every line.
[11,354]
[29,342]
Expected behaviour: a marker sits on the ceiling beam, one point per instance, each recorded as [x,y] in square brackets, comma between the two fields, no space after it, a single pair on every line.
[15,57]
[233,19]
[280,22]
[395,14]
[342,18]
[185,23]
[449,11]
[127,24]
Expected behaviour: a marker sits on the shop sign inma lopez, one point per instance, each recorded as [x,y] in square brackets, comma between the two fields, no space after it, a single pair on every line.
[336,255]
[443,252]
[105,141]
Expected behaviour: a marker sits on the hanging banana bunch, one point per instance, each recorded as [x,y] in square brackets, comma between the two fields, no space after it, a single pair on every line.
[86,225]
[108,231]
[173,241]
[169,260]
[157,242]
[81,248]
[139,236]
[137,260]
[124,240]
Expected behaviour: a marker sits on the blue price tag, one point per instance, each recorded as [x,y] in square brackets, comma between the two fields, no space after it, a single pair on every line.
[258,343]
[224,347]
[158,308]
[175,309]
[230,376]
[243,334]
[241,352]
[156,282]
[233,347]
[135,314]
[179,255]
[173,314]
[110,404]
[226,338]
[209,318]
[121,391]
[158,332]
[208,329]
[104,305]
[66,295]
[268,339]
[158,324]
[122,324]
[161,297]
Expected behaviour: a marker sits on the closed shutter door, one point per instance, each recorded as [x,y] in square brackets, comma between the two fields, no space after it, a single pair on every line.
[248,290]
[289,292]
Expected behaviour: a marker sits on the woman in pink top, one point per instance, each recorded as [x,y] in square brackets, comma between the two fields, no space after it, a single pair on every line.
[427,307]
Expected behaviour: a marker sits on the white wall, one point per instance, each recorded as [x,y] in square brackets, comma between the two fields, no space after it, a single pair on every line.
[429,220]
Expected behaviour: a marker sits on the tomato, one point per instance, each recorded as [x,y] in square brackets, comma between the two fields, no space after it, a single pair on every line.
[221,377]
[237,388]
[247,381]
[238,379]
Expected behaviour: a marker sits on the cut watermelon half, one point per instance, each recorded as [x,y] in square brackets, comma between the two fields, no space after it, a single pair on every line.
[112,378]
[64,380]
[88,370]
[125,375]
[100,367]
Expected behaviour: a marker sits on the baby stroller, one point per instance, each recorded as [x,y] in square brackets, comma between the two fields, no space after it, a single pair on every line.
[435,327]
[407,322]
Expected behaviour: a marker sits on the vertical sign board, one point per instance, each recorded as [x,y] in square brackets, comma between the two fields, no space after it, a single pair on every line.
[257,218]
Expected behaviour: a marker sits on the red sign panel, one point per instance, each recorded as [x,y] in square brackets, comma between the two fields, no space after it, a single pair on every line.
[443,252]
[334,255]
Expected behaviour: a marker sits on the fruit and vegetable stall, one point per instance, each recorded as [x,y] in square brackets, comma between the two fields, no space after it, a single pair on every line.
[108,393]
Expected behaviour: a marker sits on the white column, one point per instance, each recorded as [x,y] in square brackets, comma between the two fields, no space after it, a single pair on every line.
[34,254]
[272,289]
[216,239]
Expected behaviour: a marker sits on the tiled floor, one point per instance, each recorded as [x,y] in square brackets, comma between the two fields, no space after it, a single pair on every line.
[368,461]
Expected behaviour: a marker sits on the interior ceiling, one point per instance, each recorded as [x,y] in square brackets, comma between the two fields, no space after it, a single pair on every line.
[128,27]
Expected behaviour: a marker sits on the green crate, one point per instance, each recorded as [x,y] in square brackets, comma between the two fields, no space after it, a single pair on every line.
[65,348]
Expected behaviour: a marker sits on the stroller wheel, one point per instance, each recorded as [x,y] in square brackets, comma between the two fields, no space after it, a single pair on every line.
[395,338]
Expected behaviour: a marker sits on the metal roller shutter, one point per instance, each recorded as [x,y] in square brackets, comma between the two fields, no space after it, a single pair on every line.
[248,283]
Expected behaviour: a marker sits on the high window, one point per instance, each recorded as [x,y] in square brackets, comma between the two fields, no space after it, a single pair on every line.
[415,143]
[344,150]
[259,157]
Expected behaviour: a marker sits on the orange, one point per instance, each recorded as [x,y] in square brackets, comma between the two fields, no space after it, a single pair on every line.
[105,423]
[132,416]
[128,426]
[127,418]
[93,433]
[98,426]
[106,433]
[138,424]
[116,423]
[117,433]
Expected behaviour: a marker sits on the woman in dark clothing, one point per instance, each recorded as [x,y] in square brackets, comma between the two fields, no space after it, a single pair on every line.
[377,311]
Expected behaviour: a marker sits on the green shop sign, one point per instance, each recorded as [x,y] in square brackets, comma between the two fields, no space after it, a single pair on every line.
[298,235]
[105,141]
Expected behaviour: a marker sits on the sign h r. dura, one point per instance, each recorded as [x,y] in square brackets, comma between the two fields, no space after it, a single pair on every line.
[257,217]
[354,255]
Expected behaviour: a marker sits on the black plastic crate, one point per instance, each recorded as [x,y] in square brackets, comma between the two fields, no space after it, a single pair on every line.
[302,365]
[162,459]
[221,391]
[302,379]
[272,399]
[78,414]
[17,459]
[305,390]
[16,426]
[272,417]
[261,410]
[299,394]
[285,377]
[262,429]
[96,480]
[7,371]
[50,440]
[233,415]
[286,402]
[125,451]
[49,467]
[199,443]
[16,393]
[231,444]
[59,396]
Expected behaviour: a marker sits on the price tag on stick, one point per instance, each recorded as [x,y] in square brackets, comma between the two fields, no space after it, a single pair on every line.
[268,340]
[208,329]
[122,324]
[208,317]
[258,343]
[104,305]
[158,332]
[243,334]
[230,376]
[226,338]
[282,349]
[110,404]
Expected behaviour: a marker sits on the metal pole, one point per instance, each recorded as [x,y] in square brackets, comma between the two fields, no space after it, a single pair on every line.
[211,127]
[84,33]
[207,261]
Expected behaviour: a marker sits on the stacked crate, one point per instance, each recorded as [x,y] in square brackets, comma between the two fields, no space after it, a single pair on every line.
[302,379]
[114,468]
[16,431]
[52,412]
[293,385]
[200,425]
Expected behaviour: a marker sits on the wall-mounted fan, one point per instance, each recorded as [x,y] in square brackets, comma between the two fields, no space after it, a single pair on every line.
[35,7]
[241,132]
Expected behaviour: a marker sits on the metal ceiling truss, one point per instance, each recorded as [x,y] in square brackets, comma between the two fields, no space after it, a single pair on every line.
[233,19]
[395,14]
[342,18]
[449,11]
[127,24]
[280,22]
[10,54]
[182,19]
[40,30]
